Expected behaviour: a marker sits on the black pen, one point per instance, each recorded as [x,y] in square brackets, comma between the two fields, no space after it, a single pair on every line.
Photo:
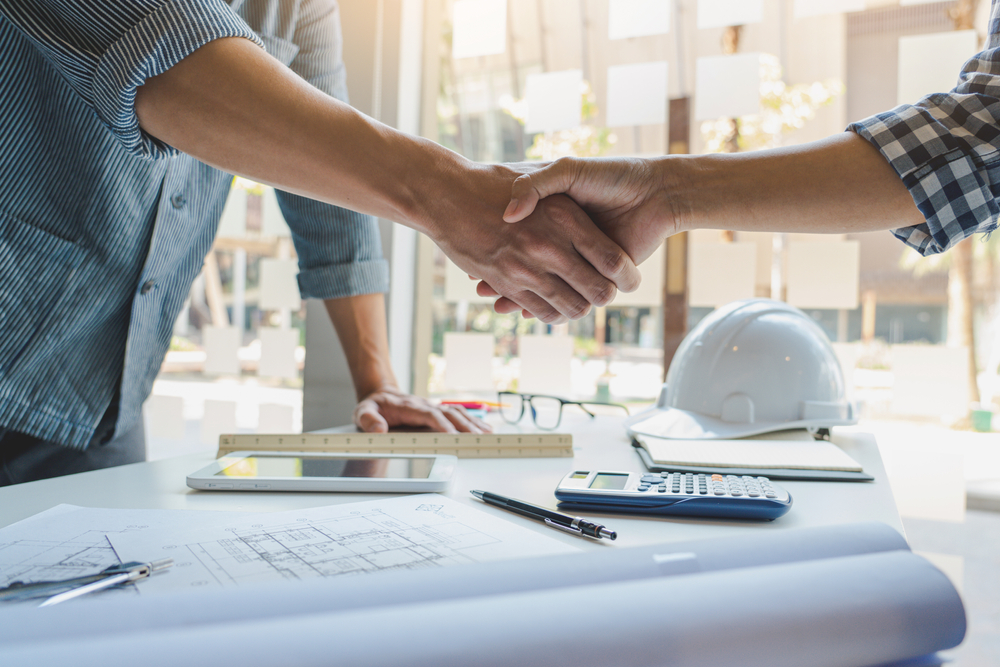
[571,524]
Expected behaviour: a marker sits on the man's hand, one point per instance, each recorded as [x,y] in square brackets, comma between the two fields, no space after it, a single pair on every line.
[554,264]
[361,327]
[389,407]
[625,197]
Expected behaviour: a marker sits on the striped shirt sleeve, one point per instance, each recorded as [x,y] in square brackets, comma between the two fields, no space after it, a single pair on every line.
[340,251]
[946,148]
[106,49]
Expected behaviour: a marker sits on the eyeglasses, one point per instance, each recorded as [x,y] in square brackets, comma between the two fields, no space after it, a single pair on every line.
[546,411]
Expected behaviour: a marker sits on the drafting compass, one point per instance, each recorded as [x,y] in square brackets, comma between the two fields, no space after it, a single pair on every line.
[67,589]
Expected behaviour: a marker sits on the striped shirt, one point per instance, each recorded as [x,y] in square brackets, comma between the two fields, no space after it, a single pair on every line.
[102,227]
[946,148]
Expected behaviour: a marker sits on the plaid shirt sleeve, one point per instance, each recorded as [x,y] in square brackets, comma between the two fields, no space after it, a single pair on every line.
[946,148]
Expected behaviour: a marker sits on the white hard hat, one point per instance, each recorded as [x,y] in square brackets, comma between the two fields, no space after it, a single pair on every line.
[750,367]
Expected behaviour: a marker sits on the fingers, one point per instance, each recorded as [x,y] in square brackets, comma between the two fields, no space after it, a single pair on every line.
[554,304]
[483,289]
[463,421]
[529,189]
[391,408]
[503,305]
[368,419]
[428,417]
[610,261]
[606,267]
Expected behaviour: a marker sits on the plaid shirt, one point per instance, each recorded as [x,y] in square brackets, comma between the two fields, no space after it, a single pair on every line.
[946,148]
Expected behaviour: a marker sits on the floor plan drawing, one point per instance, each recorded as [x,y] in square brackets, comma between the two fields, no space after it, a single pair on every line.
[408,532]
[69,541]
[355,544]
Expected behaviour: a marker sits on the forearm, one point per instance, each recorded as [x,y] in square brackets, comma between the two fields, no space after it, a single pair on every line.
[232,106]
[361,327]
[838,185]
[229,103]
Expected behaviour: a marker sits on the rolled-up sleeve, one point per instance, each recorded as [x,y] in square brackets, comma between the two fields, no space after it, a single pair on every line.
[946,148]
[340,251]
[106,49]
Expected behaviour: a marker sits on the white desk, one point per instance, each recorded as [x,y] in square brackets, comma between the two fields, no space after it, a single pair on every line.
[598,443]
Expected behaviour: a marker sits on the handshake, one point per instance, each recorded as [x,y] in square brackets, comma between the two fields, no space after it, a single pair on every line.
[574,230]
[571,236]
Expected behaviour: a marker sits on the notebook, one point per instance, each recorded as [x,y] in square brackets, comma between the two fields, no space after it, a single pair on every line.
[778,459]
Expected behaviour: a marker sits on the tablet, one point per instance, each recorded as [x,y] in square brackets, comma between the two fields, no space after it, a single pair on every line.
[349,473]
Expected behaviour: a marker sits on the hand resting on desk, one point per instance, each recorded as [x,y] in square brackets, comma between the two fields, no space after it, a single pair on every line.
[389,407]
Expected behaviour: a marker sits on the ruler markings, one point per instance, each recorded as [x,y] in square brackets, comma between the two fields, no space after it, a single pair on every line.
[467,445]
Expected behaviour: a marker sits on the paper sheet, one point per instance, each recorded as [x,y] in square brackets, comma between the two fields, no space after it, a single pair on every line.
[638,18]
[407,532]
[727,86]
[275,418]
[931,63]
[750,453]
[930,381]
[468,359]
[839,591]
[555,101]
[164,417]
[479,28]
[272,222]
[637,94]
[823,274]
[722,13]
[222,347]
[279,287]
[721,272]
[277,352]
[69,541]
[219,417]
[545,364]
[233,223]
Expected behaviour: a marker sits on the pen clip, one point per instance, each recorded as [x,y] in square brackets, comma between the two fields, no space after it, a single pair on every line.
[568,529]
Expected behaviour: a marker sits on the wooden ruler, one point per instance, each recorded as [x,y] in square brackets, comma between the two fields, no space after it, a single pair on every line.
[462,445]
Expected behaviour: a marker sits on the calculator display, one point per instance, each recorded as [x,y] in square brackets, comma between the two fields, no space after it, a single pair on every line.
[609,481]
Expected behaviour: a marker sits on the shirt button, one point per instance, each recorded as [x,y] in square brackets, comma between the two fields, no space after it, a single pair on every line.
[147,286]
[178,200]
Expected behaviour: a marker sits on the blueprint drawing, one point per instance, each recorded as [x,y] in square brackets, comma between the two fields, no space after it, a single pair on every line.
[408,532]
[68,541]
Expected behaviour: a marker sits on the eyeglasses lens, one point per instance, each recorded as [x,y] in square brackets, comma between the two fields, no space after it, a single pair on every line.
[511,407]
[546,411]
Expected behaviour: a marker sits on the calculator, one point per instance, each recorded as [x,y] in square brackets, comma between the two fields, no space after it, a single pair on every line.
[674,493]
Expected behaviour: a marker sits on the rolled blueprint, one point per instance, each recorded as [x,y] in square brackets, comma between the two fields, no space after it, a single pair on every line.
[832,597]
[856,610]
[604,565]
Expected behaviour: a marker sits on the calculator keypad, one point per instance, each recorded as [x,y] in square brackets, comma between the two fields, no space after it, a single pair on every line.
[691,484]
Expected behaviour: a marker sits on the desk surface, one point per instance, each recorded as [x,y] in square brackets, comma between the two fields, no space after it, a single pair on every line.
[598,443]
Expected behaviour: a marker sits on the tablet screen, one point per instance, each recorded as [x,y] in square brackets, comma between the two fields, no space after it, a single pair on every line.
[310,467]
